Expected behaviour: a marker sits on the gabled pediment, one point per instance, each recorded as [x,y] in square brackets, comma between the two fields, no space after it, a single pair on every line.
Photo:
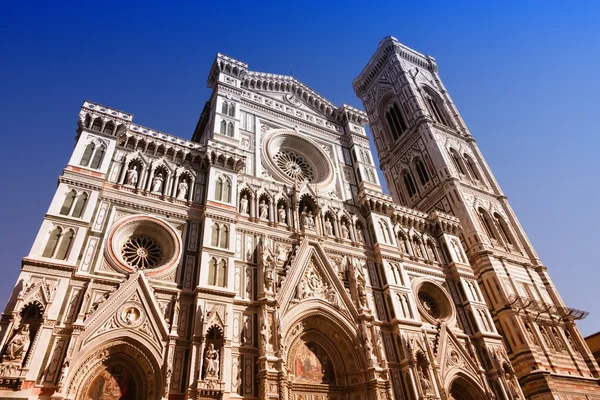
[313,278]
[132,311]
[453,354]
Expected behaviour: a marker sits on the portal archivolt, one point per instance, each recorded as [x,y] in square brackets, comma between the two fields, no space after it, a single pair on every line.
[117,371]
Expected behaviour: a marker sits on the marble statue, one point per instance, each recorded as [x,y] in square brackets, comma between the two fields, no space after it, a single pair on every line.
[182,190]
[328,227]
[132,176]
[211,360]
[244,205]
[282,214]
[157,183]
[263,209]
[17,347]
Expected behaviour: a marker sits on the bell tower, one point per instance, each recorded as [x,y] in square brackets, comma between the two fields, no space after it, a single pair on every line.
[432,162]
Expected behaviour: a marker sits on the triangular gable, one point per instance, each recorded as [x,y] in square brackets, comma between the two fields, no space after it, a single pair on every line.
[131,309]
[452,354]
[312,277]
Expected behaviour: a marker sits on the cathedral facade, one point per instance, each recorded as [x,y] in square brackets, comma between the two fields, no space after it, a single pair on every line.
[262,260]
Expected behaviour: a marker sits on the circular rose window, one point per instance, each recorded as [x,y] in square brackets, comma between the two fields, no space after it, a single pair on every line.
[293,157]
[141,252]
[143,243]
[294,166]
[433,302]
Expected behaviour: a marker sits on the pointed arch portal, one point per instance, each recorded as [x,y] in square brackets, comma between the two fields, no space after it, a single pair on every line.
[322,361]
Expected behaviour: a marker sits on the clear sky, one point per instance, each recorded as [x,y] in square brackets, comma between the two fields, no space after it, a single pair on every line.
[523,74]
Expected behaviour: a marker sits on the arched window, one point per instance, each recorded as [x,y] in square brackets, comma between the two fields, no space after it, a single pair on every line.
[434,106]
[52,242]
[88,121]
[456,159]
[395,120]
[385,231]
[66,240]
[409,184]
[212,271]
[503,229]
[68,203]
[486,223]
[109,128]
[232,110]
[80,205]
[224,237]
[98,157]
[87,154]
[97,126]
[219,189]
[224,108]
[221,273]
[223,130]
[472,168]
[214,235]
[230,129]
[421,171]
[223,190]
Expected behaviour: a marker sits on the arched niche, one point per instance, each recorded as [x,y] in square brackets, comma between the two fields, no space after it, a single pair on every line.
[323,358]
[118,369]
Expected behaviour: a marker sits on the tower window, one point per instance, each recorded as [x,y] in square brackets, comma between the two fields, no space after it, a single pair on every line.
[93,153]
[59,243]
[457,161]
[471,167]
[409,184]
[217,271]
[219,236]
[503,228]
[395,120]
[421,171]
[223,189]
[486,223]
[434,107]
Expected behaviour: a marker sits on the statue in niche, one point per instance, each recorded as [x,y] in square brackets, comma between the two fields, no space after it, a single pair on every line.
[211,360]
[311,220]
[328,227]
[263,209]
[268,262]
[282,214]
[304,217]
[244,205]
[424,380]
[17,347]
[418,251]
[157,183]
[403,248]
[345,231]
[182,190]
[360,234]
[132,176]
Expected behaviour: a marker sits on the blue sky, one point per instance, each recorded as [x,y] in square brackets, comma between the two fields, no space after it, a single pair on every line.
[523,75]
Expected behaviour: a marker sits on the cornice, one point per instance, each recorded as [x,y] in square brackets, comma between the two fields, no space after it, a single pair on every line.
[388,46]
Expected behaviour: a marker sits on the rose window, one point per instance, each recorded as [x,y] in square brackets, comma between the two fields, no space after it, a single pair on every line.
[294,166]
[141,252]
[429,305]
